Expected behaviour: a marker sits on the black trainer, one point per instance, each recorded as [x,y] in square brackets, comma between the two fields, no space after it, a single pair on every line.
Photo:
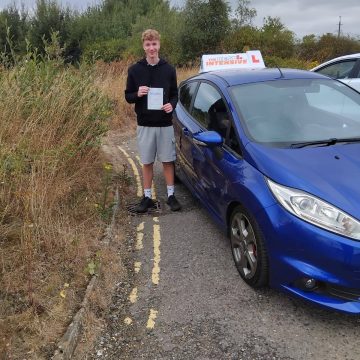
[173,203]
[145,204]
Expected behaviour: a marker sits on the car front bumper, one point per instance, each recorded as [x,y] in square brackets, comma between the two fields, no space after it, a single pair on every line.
[301,253]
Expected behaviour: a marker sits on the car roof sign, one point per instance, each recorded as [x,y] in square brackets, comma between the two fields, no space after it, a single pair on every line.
[250,60]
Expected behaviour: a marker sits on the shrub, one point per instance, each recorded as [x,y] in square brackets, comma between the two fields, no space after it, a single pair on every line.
[295,63]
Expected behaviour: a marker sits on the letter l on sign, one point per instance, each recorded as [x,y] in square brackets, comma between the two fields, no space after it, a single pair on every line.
[254,59]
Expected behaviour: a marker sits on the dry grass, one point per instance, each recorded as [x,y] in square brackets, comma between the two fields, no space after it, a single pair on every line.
[51,171]
[185,72]
[112,81]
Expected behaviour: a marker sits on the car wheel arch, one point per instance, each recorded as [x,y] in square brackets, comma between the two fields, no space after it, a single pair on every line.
[232,206]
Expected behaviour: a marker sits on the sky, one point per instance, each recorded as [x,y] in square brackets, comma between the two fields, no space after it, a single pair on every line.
[303,17]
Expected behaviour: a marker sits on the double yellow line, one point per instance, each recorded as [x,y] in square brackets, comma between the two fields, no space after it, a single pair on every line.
[155,277]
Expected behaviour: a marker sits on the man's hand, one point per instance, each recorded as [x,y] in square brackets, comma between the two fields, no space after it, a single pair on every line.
[143,90]
[167,108]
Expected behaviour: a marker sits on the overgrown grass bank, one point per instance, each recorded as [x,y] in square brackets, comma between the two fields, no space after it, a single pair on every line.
[52,119]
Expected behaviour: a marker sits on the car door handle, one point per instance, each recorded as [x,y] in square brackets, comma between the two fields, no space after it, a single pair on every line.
[185,131]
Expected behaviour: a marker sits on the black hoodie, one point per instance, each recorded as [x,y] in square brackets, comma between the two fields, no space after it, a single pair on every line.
[161,75]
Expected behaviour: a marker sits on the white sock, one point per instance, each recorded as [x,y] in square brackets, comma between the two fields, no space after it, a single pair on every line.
[147,193]
[170,190]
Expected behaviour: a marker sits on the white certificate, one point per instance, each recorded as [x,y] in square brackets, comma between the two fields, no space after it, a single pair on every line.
[155,98]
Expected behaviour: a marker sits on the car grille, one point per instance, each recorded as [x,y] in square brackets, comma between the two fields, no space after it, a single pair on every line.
[343,293]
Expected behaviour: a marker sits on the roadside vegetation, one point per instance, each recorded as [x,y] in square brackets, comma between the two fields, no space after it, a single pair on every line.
[52,205]
[62,80]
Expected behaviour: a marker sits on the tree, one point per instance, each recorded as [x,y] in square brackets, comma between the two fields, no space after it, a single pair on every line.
[13,28]
[105,31]
[169,23]
[243,39]
[308,47]
[330,46]
[207,24]
[244,15]
[49,18]
[276,39]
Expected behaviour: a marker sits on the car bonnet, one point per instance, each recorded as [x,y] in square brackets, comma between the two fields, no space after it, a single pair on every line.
[331,173]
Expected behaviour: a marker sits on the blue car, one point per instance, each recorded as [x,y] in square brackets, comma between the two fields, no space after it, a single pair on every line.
[274,156]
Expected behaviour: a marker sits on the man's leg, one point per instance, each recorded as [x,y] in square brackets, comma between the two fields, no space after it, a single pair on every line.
[147,150]
[167,155]
[146,202]
[169,173]
[169,178]
[148,174]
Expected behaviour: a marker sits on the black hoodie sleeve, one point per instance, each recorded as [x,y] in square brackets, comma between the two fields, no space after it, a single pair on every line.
[131,89]
[173,90]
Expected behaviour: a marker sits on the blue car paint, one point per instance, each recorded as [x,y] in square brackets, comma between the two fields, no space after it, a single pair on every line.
[341,162]
[209,138]
[235,187]
[236,77]
[295,248]
[298,249]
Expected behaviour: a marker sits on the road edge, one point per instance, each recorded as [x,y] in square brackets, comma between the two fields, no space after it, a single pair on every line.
[68,342]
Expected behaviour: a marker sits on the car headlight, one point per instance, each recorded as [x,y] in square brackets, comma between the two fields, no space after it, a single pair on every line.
[316,211]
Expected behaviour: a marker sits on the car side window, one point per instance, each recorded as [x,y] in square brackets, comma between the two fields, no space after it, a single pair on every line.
[232,141]
[340,70]
[210,111]
[186,94]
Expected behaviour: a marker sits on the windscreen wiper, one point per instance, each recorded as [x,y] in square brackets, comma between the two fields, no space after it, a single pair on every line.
[327,142]
[349,140]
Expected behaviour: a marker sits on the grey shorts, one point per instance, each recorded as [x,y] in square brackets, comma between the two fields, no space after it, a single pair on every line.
[156,142]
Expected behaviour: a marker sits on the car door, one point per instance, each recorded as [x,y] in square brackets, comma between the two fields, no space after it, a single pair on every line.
[184,127]
[225,168]
[216,168]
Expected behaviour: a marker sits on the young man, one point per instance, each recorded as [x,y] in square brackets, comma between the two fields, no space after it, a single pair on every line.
[152,86]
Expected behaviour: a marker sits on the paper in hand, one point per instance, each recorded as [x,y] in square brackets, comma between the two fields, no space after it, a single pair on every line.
[155,98]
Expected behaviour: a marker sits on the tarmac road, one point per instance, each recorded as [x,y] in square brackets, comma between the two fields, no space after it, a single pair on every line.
[185,300]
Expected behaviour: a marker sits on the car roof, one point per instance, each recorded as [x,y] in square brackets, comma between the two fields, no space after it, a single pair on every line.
[344,57]
[246,76]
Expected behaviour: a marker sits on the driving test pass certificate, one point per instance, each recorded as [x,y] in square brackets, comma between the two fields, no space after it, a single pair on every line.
[155,98]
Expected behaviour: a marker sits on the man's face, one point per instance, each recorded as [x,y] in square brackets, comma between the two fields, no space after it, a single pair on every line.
[151,48]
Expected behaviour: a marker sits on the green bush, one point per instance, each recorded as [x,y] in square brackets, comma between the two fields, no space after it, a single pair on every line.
[294,63]
[106,50]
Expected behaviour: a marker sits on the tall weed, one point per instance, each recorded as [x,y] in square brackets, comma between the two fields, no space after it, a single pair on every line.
[52,119]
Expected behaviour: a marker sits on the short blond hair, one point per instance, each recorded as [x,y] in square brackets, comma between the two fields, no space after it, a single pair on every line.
[150,34]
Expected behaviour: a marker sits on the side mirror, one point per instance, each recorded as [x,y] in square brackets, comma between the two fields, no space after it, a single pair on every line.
[208,138]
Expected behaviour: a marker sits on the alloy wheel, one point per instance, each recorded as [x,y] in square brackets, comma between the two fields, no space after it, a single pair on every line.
[244,245]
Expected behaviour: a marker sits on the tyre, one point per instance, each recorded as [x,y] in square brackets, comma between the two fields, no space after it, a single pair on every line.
[248,248]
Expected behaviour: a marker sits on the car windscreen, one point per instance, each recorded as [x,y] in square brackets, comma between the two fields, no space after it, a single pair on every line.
[286,112]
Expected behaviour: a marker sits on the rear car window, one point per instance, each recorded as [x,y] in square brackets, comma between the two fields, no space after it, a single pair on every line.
[186,94]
